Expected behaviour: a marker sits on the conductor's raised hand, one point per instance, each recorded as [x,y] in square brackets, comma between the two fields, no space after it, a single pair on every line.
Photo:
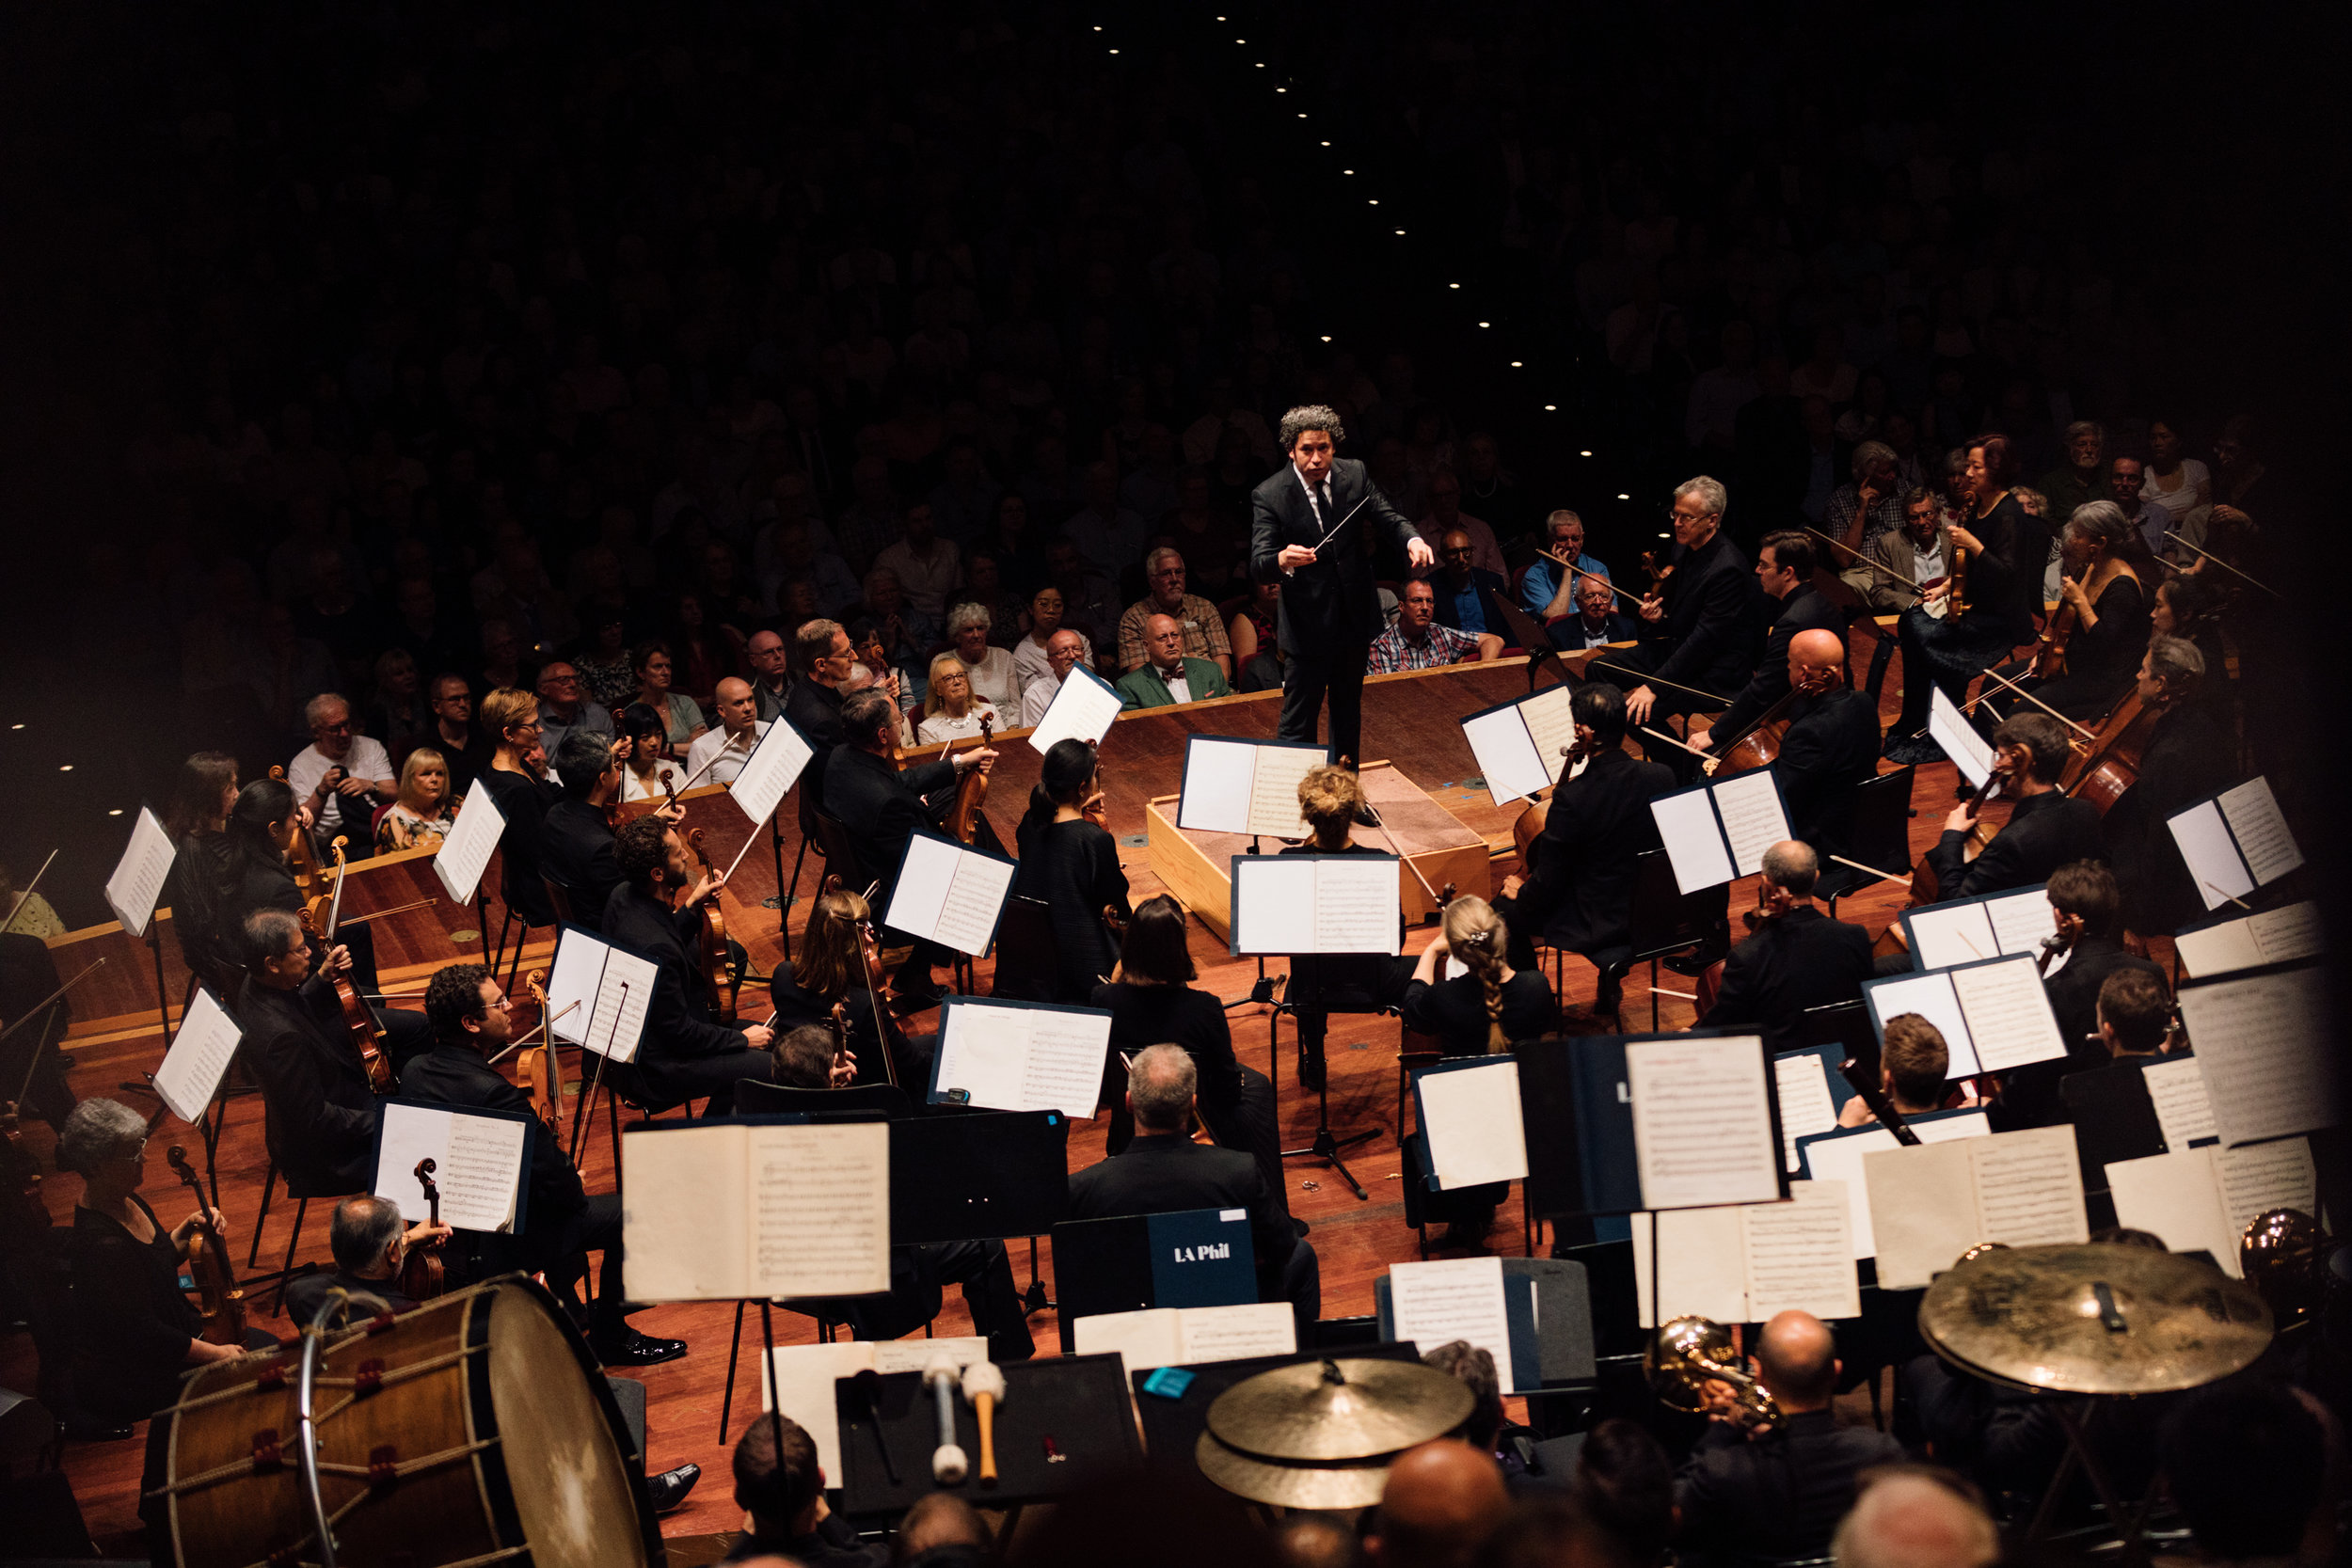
[1296,556]
[1417,553]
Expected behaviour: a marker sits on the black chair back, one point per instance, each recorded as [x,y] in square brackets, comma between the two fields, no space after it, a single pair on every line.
[1027,968]
[841,858]
[1879,833]
[1664,919]
[758,1097]
[558,899]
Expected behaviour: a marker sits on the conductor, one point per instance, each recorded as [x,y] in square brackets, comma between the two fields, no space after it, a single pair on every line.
[1307,532]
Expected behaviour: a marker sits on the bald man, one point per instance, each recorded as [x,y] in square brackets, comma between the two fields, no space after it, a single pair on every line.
[1168,675]
[1798,958]
[718,755]
[1441,1501]
[1830,748]
[1917,1518]
[771,683]
[1781,1494]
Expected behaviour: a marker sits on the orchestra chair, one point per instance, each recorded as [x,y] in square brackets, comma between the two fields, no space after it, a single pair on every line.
[1664,921]
[1027,969]
[511,918]
[809,840]
[1879,831]
[841,857]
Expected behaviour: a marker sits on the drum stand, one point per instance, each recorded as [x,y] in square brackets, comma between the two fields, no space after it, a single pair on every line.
[2129,1522]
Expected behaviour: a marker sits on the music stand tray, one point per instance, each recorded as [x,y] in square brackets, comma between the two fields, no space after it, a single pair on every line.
[1079,1401]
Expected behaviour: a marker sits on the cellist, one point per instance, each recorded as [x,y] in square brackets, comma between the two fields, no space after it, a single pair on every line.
[2188,755]
[1784,569]
[2045,828]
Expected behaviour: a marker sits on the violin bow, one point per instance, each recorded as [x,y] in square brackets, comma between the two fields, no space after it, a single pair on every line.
[1884,571]
[1649,680]
[2208,555]
[1594,575]
[18,908]
[1996,675]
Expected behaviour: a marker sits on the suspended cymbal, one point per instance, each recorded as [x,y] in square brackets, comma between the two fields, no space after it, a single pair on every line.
[1343,1409]
[2095,1319]
[1344,1483]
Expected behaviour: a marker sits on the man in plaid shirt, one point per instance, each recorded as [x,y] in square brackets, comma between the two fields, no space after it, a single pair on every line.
[1415,641]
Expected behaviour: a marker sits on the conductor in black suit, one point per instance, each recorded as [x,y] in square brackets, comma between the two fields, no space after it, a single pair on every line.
[1829,750]
[1164,1172]
[1784,570]
[1699,629]
[1798,957]
[1331,610]
[2046,829]
[1579,892]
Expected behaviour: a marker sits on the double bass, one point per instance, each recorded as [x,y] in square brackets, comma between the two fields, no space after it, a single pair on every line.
[421,1277]
[321,915]
[209,1264]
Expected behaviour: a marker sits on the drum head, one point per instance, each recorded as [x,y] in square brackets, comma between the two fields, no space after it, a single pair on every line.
[571,1487]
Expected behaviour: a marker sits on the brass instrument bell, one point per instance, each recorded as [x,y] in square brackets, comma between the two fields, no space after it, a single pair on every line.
[1689,1352]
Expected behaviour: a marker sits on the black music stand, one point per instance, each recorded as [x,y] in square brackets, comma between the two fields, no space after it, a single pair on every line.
[1124,1263]
[1326,998]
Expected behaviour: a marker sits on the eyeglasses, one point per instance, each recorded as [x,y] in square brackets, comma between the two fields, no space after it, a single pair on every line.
[1453,550]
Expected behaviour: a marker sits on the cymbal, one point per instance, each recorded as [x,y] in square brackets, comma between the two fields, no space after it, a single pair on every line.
[2034,1316]
[1339,1409]
[1345,1483]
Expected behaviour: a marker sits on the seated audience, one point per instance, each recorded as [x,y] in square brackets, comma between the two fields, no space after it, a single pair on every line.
[1168,675]
[681,717]
[425,810]
[1255,634]
[1468,597]
[1202,630]
[1438,1506]
[718,755]
[1550,590]
[994,681]
[1417,641]
[340,777]
[950,709]
[1065,650]
[1915,1516]
[563,707]
[1595,619]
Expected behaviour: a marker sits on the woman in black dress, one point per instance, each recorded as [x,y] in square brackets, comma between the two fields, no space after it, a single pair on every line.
[2107,574]
[197,820]
[1153,1003]
[838,956]
[1488,1008]
[1331,798]
[1071,863]
[522,796]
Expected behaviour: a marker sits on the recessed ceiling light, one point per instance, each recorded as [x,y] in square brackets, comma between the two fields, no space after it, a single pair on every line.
[1326,144]
[65,768]
[1583,454]
[1454,285]
[117,812]
[1326,337]
[1375,201]
[1486,323]
[1551,408]
[1400,230]
[1515,364]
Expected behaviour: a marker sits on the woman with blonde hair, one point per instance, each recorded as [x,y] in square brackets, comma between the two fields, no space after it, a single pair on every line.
[950,712]
[1490,1006]
[1331,799]
[522,795]
[424,812]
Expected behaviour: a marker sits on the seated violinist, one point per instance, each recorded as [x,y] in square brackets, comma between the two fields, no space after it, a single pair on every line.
[371,1244]
[576,842]
[1069,863]
[1798,957]
[2046,829]
[1784,569]
[648,774]
[2187,755]
[838,961]
[251,872]
[1912,1060]
[472,1020]
[2105,598]
[322,1114]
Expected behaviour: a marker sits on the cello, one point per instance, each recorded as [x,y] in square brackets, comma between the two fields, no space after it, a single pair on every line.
[209,1264]
[420,1274]
[1529,826]
[321,915]
[2102,768]
[1925,889]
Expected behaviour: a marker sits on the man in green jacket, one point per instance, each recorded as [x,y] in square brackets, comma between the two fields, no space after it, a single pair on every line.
[1167,678]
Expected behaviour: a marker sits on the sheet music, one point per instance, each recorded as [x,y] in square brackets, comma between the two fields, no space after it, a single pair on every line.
[984,1051]
[1550,720]
[1701,1121]
[617,1017]
[1217,785]
[1355,908]
[2290,932]
[1472,1118]
[1270,894]
[139,876]
[684,1198]
[1508,758]
[948,893]
[1923,1210]
[2261,831]
[2008,1014]
[479,1162]
[1274,789]
[1701,1256]
[200,1054]
[1749,804]
[2218,949]
[2177,1088]
[1082,709]
[2259,1040]
[1456,1298]
[820,1209]
[1949,729]
[572,978]
[1805,1105]
[777,760]
[2176,1197]
[2211,854]
[459,861]
[2021,921]
[2261,1177]
[1189,1335]
[1840,1159]
[1933,997]
[1011,1057]
[1959,934]
[2029,1187]
[1798,1255]
[1694,840]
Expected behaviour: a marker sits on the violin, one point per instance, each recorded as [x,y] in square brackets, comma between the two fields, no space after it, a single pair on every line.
[420,1275]
[1657,574]
[2052,946]
[537,1069]
[209,1264]
[963,813]
[711,949]
[1925,889]
[299,858]
[866,958]
[320,917]
[2049,660]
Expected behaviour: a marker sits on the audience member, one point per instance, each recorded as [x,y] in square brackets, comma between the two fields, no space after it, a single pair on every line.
[1202,629]
[1418,641]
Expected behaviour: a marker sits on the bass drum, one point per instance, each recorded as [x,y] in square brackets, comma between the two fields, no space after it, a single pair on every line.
[476,1429]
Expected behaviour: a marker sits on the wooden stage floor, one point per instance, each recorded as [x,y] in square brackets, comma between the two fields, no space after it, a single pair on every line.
[1413,720]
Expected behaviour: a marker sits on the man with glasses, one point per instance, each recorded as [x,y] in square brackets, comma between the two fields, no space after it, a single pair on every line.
[772,674]
[1550,590]
[1196,617]
[564,708]
[1470,597]
[822,652]
[1701,627]
[1064,651]
[462,745]
[342,775]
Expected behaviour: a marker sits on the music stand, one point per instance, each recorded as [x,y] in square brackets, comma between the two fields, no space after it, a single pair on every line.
[1307,975]
[1133,1262]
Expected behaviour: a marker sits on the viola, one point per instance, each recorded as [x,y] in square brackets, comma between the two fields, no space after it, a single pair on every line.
[209,1264]
[421,1274]
[299,858]
[963,813]
[360,1020]
[538,1070]
[2049,659]
[866,957]
[711,949]
[2052,946]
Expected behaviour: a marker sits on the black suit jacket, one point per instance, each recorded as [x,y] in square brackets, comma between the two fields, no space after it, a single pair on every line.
[576,850]
[1332,603]
[2046,831]
[1161,1173]
[457,1075]
[1492,592]
[1580,893]
[677,1019]
[322,1122]
[1828,750]
[1778,1496]
[1805,610]
[815,712]
[879,808]
[1567,633]
[1801,959]
[1713,623]
[2032,1095]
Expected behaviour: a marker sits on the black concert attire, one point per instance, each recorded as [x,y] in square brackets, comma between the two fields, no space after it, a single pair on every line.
[815,712]
[195,889]
[576,853]
[2101,661]
[1455,1010]
[2191,755]
[1578,894]
[1330,609]
[1236,1101]
[2004,593]
[130,1323]
[2032,1095]
[1074,868]
[1346,982]
[562,1221]
[831,1544]
[880,808]
[1798,959]
[918,1274]
[1777,1496]
[523,802]
[1828,750]
[796,1004]
[1802,609]
[31,1057]
[1706,639]
[682,1053]
[305,1293]
[2043,832]
[322,1115]
[1166,1173]
[246,881]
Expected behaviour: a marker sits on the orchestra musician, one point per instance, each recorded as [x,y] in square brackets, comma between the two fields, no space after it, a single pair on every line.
[1828,750]
[522,797]
[2188,755]
[838,959]
[2086,915]
[369,1242]
[1308,533]
[576,842]
[1914,1060]
[2005,550]
[2046,829]
[2105,589]
[202,796]
[323,1115]
[1784,570]
[821,656]
[252,874]
[472,1020]
[1489,1007]
[1700,624]
[1798,958]
[682,1053]
[1578,892]
[2134,1011]
[880,808]
[1069,863]
[1332,801]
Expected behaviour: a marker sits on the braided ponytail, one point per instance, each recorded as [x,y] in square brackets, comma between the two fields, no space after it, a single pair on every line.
[1476,935]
